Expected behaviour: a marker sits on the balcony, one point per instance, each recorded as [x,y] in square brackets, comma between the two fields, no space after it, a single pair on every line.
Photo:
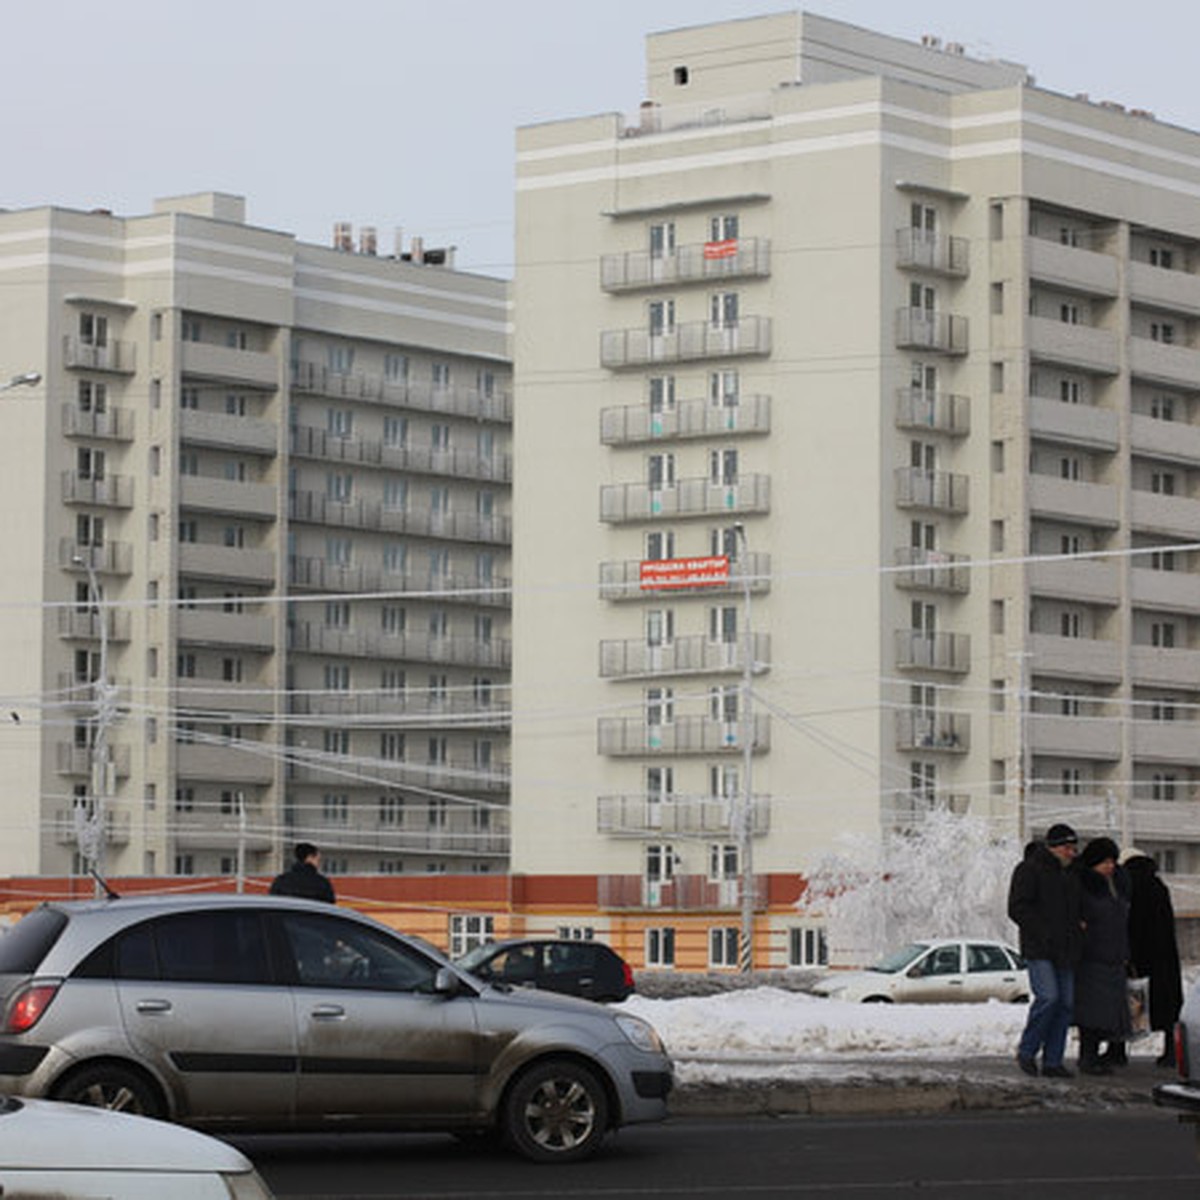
[118,357]
[1096,504]
[939,491]
[1162,667]
[688,498]
[225,432]
[242,368]
[688,342]
[932,570]
[1080,346]
[413,708]
[220,831]
[1088,814]
[1172,516]
[622,580]
[474,403]
[113,491]
[920,329]
[219,698]
[1091,581]
[320,575]
[210,626]
[636,423]
[117,826]
[455,774]
[1074,424]
[678,816]
[698,262]
[1094,738]
[1072,267]
[1172,591]
[1157,287]
[84,625]
[942,732]
[622,736]
[683,893]
[310,638]
[1173,441]
[113,558]
[209,561]
[113,424]
[1172,742]
[917,650]
[226,763]
[315,508]
[934,254]
[228,497]
[908,810]
[933,412]
[684,655]
[1168,820]
[365,834]
[79,691]
[71,759]
[1076,658]
[1163,362]
[306,441]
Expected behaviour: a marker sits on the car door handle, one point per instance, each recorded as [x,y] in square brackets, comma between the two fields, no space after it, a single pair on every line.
[955,982]
[153,1006]
[586,980]
[328,1012]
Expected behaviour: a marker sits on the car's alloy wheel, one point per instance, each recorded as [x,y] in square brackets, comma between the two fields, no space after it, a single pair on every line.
[556,1112]
[108,1085]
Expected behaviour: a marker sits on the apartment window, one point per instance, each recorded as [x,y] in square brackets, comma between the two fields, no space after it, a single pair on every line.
[392,681]
[1071,781]
[93,329]
[340,359]
[660,947]
[335,808]
[189,531]
[1162,634]
[723,310]
[1068,391]
[336,741]
[723,624]
[188,595]
[1068,313]
[339,487]
[922,781]
[437,754]
[723,227]
[1070,235]
[391,745]
[1162,483]
[439,563]
[468,930]
[485,504]
[89,530]
[485,384]
[1070,624]
[92,396]
[395,431]
[660,706]
[1070,543]
[230,734]
[659,863]
[339,423]
[441,374]
[185,864]
[1162,331]
[483,628]
[660,545]
[1069,704]
[1162,408]
[391,810]
[808,946]
[722,861]
[660,471]
[235,405]
[661,393]
[185,732]
[723,946]
[395,367]
[189,398]
[337,614]
[1162,709]
[234,536]
[1163,786]
[662,239]
[1069,467]
[236,339]
[235,470]
[185,799]
[395,493]
[439,436]
[661,317]
[485,568]
[1162,560]
[724,541]
[439,500]
[395,558]
[723,467]
[1161,256]
[338,551]
[1165,860]
[190,329]
[481,691]
[230,802]
[393,619]
[337,677]
[185,665]
[90,464]
[660,627]
[232,670]
[723,389]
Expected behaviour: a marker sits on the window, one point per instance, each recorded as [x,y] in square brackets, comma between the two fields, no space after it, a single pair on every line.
[189,530]
[340,358]
[439,436]
[723,388]
[659,863]
[441,374]
[1163,786]
[660,706]
[335,808]
[395,431]
[336,741]
[1162,331]
[1161,256]
[723,310]
[185,666]
[722,861]
[1068,391]
[190,329]
[338,551]
[660,393]
[337,614]
[92,396]
[395,558]
[723,228]
[1070,624]
[395,367]
[1162,635]
[185,864]
[339,487]
[339,423]
[185,799]
[723,946]
[235,405]
[1069,467]
[232,670]
[680,76]
[662,239]
[329,952]
[392,681]
[395,493]
[391,810]
[1162,483]
[661,317]
[391,745]
[660,471]
[1068,313]
[1162,709]
[1071,781]
[1162,560]
[90,463]
[723,468]
[337,677]
[660,545]
[660,947]
[485,383]
[93,329]
[1162,408]
[468,930]
[807,946]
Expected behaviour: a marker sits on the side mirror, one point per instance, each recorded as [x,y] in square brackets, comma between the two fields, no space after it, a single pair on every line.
[447,983]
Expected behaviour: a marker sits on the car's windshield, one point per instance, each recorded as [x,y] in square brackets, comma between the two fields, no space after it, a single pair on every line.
[901,958]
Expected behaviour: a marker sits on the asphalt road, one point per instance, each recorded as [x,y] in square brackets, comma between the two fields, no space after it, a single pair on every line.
[1102,1156]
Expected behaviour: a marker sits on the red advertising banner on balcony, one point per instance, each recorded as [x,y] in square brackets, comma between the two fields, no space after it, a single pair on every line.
[726,248]
[685,572]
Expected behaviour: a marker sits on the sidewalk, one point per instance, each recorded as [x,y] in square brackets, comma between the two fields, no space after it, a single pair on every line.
[864,1087]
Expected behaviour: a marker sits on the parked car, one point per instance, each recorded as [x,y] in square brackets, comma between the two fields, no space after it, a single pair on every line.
[935,971]
[49,1149]
[577,968]
[270,1013]
[1183,1094]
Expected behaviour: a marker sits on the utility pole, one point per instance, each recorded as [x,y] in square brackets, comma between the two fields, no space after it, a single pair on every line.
[241,841]
[745,815]
[1024,751]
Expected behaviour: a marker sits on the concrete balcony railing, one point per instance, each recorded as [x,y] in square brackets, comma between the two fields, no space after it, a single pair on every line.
[1094,738]
[223,431]
[931,570]
[84,625]
[211,626]
[77,760]
[113,491]
[698,262]
[314,508]
[236,563]
[1157,287]
[1072,268]
[921,651]
[310,638]
[941,333]
[683,655]
[215,698]
[687,498]
[909,810]
[639,816]
[113,558]
[940,491]
[1076,658]
[117,827]
[1163,667]
[919,729]
[1163,362]
[458,774]
[936,412]
[307,441]
[113,424]
[1173,820]
[621,736]
[687,342]
[1174,516]
[476,403]
[622,580]
[229,497]
[1174,441]
[226,763]
[117,357]
[932,253]
[1174,591]
[318,574]
[1081,346]
[1074,424]
[227,364]
[365,834]
[636,423]
[681,893]
[214,830]
[411,707]
[1095,504]
[1176,742]
[1090,580]
[78,691]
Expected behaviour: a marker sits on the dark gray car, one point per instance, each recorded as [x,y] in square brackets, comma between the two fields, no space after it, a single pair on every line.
[267,1013]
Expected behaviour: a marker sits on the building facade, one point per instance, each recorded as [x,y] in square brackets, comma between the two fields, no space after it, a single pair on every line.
[869,375]
[258,554]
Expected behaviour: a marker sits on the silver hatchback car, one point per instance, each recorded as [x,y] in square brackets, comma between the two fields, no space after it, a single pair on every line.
[269,1013]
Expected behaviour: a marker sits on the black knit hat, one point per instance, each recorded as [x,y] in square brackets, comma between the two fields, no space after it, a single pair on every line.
[1099,850]
[1061,835]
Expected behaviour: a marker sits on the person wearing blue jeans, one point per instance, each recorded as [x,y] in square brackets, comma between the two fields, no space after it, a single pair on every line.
[1044,903]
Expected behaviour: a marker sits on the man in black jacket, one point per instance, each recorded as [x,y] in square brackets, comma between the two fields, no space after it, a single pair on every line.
[303,878]
[1043,901]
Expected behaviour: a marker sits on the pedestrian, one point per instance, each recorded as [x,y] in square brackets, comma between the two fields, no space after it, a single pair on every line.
[1153,950]
[303,878]
[1043,901]
[1101,991]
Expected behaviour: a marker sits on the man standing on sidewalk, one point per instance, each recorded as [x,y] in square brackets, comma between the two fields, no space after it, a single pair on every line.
[1044,901]
[303,878]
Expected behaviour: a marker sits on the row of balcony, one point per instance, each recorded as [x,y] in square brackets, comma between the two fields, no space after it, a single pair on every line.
[1099,505]
[365,835]
[76,624]
[321,575]
[454,774]
[1099,739]
[65,830]
[474,403]
[224,431]
[229,497]
[1101,661]
[622,580]
[688,341]
[620,736]
[311,638]
[696,497]
[696,262]
[1097,581]
[229,365]
[109,491]
[307,441]
[635,658]
[679,893]
[113,356]
[933,412]
[458,709]
[316,508]
[939,491]
[932,570]
[631,424]
[678,816]
[112,558]
[112,424]
[1148,820]
[1098,351]
[917,649]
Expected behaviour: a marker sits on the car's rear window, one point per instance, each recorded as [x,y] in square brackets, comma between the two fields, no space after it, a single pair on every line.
[27,943]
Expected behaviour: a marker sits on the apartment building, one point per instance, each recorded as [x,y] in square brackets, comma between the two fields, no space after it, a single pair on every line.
[868,373]
[257,559]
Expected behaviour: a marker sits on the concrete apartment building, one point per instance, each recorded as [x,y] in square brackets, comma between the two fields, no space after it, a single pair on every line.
[910,348]
[262,495]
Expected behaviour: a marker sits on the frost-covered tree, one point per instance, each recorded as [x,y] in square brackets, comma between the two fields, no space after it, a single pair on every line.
[947,877]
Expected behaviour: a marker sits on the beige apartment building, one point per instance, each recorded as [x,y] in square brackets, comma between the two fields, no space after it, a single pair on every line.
[257,550]
[909,347]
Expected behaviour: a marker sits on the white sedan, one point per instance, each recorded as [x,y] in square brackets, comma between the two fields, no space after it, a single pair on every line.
[68,1150]
[936,971]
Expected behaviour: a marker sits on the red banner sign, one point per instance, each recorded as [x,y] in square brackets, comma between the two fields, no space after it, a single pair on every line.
[723,249]
[685,572]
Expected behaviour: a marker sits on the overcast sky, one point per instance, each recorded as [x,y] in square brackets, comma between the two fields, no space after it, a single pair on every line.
[402,112]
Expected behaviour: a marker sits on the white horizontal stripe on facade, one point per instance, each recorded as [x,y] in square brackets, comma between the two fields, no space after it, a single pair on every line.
[396,285]
[341,300]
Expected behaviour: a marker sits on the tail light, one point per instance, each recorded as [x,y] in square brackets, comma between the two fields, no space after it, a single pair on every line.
[27,1006]
[1181,1050]
[627,972]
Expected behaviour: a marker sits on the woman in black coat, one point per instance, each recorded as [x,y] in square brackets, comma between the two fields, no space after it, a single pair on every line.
[1152,946]
[1101,1001]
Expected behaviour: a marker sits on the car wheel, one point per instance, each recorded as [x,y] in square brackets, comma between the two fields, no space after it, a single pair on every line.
[556,1112]
[877,999]
[1020,999]
[112,1086]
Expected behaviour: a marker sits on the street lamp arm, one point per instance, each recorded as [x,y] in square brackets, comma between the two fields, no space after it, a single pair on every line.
[25,379]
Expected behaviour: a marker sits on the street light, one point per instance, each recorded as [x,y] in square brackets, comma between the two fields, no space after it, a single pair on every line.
[745,822]
[25,379]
